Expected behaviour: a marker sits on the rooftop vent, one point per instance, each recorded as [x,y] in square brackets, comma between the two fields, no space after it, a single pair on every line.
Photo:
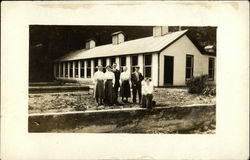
[160,30]
[90,44]
[118,37]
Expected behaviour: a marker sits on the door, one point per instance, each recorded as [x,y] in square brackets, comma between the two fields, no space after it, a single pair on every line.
[168,70]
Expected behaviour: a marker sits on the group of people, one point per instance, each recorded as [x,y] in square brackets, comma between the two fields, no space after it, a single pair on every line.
[107,86]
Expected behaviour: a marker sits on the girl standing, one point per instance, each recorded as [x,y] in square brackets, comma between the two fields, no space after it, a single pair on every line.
[125,86]
[109,85]
[99,86]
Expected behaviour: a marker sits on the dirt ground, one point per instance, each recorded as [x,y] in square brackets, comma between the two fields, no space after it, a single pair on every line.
[83,100]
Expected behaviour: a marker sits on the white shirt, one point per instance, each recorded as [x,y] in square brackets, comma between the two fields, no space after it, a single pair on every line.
[99,75]
[109,75]
[124,76]
[147,88]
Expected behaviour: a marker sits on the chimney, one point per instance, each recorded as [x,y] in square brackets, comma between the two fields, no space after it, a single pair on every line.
[118,37]
[90,44]
[160,31]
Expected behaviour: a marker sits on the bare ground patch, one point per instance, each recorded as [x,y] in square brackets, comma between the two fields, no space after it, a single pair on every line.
[80,101]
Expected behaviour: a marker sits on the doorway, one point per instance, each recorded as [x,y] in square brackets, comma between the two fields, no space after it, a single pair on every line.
[168,70]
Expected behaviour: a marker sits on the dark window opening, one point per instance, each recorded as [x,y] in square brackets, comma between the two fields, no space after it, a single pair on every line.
[122,62]
[88,68]
[61,73]
[66,69]
[95,65]
[112,60]
[148,65]
[76,69]
[134,62]
[82,69]
[189,66]
[104,64]
[148,72]
[71,69]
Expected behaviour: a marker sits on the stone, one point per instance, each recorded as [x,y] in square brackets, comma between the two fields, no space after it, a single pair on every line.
[205,128]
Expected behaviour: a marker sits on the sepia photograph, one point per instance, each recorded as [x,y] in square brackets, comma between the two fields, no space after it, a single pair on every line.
[122,79]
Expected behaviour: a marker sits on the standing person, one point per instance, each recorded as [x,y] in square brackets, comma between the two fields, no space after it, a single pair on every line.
[99,85]
[136,79]
[109,86]
[117,83]
[147,93]
[125,86]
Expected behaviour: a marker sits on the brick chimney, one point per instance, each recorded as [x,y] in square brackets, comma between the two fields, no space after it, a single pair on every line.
[90,44]
[160,31]
[118,37]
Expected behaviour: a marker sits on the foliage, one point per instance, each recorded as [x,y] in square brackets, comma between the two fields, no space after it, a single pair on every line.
[209,90]
[201,85]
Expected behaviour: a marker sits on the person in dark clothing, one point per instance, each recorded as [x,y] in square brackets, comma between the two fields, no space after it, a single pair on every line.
[136,79]
[125,86]
[109,86]
[117,83]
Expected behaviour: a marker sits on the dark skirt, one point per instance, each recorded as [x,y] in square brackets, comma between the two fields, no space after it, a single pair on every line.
[125,89]
[99,90]
[109,93]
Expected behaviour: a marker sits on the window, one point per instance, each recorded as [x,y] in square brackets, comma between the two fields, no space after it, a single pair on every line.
[66,69]
[82,69]
[189,66]
[122,62]
[148,65]
[211,68]
[95,64]
[88,68]
[61,73]
[134,62]
[76,69]
[71,69]
[104,64]
[112,60]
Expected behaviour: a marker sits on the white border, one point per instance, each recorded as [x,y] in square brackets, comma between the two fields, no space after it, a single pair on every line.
[231,138]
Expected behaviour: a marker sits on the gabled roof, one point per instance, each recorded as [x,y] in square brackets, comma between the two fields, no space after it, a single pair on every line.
[138,46]
[118,32]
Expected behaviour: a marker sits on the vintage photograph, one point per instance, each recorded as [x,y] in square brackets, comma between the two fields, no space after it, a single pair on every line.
[122,79]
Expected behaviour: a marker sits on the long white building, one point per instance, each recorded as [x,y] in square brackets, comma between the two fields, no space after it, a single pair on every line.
[169,58]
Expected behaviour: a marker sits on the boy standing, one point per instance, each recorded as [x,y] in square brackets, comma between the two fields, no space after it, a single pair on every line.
[147,93]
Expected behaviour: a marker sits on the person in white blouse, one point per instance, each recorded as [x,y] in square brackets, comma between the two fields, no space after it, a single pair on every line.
[147,93]
[99,85]
[109,77]
[125,86]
